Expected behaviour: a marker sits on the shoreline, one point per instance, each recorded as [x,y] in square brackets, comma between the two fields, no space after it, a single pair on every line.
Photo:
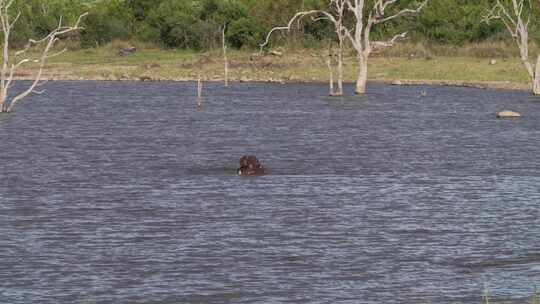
[295,66]
[486,85]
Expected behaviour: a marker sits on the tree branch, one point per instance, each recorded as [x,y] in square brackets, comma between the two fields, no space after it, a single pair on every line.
[399,14]
[297,16]
[50,40]
[377,45]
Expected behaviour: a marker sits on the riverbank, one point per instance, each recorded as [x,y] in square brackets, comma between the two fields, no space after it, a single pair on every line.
[291,66]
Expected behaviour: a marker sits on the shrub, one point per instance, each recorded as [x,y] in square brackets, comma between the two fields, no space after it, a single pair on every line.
[105,22]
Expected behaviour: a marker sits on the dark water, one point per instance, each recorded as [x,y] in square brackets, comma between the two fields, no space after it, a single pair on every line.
[125,193]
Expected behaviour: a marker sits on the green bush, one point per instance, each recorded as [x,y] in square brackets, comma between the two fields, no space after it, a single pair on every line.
[454,22]
[108,21]
[197,24]
[244,32]
[176,24]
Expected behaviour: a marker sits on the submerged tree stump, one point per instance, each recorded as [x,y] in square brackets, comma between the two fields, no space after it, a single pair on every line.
[250,166]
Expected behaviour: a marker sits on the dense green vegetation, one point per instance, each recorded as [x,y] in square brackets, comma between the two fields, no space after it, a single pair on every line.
[197,24]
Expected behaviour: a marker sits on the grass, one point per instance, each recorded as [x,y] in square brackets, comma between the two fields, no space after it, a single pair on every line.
[407,63]
[108,55]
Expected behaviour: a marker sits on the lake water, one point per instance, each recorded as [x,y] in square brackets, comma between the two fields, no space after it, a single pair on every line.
[117,192]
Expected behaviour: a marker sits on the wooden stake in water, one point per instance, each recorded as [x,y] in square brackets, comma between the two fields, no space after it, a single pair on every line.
[199,92]
[225,59]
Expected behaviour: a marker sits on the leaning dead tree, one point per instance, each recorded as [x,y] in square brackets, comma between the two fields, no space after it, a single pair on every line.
[43,47]
[367,15]
[335,15]
[516,16]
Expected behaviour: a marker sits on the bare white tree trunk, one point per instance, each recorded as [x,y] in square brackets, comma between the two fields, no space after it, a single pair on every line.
[361,81]
[9,67]
[3,88]
[516,20]
[339,7]
[340,69]
[225,59]
[536,81]
[6,29]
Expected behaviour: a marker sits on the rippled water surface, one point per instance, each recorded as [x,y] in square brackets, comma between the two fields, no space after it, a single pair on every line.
[126,193]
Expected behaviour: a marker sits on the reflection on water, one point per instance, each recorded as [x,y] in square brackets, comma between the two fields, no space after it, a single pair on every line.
[125,193]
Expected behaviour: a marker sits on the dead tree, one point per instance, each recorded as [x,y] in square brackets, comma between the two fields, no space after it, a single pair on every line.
[225,59]
[367,15]
[20,58]
[338,9]
[335,15]
[516,17]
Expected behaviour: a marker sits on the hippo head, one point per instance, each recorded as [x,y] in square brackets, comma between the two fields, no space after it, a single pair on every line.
[250,165]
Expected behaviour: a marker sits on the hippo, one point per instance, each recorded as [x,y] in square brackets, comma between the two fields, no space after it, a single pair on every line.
[250,166]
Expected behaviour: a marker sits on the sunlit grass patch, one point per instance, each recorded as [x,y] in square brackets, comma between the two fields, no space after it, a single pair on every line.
[150,63]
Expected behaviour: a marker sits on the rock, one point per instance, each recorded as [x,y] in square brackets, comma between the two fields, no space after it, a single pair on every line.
[397,82]
[493,62]
[508,114]
[250,166]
